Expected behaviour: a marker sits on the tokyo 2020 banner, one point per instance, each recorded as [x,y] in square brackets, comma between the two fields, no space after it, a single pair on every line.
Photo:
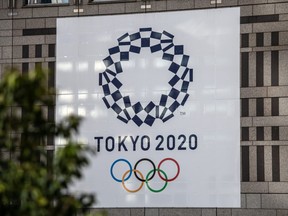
[159,94]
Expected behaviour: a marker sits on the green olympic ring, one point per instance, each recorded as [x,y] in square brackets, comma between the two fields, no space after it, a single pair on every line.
[154,190]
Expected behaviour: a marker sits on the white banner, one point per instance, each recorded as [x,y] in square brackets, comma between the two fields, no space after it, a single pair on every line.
[159,94]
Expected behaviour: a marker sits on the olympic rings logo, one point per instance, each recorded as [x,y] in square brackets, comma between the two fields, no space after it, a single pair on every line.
[144,179]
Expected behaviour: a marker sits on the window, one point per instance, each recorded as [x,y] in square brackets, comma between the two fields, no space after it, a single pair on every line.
[31,2]
[11,4]
[102,1]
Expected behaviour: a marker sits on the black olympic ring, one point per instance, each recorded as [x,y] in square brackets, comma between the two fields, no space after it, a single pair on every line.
[154,169]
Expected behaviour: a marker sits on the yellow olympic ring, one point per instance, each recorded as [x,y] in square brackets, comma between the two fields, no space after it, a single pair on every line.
[123,181]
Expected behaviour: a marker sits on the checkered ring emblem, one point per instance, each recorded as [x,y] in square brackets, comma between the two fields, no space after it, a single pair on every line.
[181,77]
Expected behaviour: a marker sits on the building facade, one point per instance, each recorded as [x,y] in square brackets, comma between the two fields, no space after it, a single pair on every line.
[28,39]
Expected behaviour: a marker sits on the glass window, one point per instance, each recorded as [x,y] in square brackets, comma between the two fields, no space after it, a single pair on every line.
[99,1]
[31,2]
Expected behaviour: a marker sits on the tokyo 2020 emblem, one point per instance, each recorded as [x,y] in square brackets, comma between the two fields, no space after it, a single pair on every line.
[181,77]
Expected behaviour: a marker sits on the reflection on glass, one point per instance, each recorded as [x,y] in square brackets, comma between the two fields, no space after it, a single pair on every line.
[209,108]
[66,98]
[128,64]
[65,110]
[223,91]
[83,66]
[83,140]
[82,96]
[60,141]
[64,91]
[82,111]
[159,64]
[65,66]
[208,91]
[130,197]
[99,66]
[94,114]
[46,1]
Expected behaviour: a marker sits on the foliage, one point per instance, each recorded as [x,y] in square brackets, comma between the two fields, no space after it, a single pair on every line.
[30,182]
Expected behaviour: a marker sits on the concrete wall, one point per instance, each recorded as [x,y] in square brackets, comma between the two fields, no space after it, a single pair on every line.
[28,38]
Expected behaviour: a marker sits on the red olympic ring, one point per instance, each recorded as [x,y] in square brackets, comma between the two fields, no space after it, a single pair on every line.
[178,170]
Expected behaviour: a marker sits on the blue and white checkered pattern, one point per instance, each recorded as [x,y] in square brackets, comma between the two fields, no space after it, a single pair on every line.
[181,77]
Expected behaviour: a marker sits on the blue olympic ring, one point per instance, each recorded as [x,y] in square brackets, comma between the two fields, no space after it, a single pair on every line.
[112,166]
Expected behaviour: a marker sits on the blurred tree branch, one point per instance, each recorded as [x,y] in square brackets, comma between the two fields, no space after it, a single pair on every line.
[30,184]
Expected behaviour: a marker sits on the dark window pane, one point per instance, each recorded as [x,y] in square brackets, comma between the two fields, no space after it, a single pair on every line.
[275,38]
[25,68]
[260,39]
[25,51]
[39,31]
[259,69]
[244,107]
[50,140]
[259,107]
[51,75]
[260,163]
[50,158]
[259,19]
[38,51]
[275,164]
[275,106]
[260,133]
[245,133]
[33,2]
[245,40]
[51,50]
[245,69]
[51,113]
[275,68]
[38,65]
[245,163]
[275,133]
